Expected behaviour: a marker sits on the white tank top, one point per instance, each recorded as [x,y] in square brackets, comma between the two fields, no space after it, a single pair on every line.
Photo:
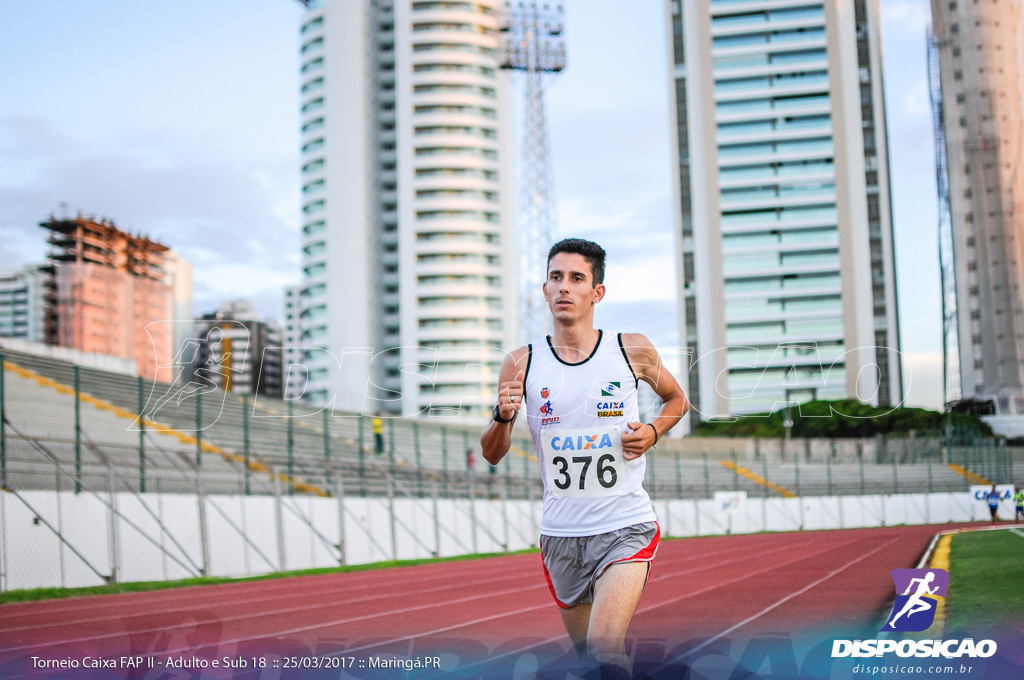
[577,414]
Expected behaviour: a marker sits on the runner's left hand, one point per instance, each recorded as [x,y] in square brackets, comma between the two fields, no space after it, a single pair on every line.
[636,443]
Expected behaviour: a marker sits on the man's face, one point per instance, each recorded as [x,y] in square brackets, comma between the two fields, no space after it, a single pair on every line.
[569,288]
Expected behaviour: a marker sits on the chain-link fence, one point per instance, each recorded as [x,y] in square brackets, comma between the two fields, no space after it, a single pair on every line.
[211,483]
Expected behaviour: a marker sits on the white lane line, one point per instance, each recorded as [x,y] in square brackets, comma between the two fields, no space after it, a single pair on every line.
[284,590]
[393,612]
[441,604]
[746,554]
[745,557]
[546,605]
[791,596]
[289,586]
[190,608]
[336,622]
[743,577]
[283,594]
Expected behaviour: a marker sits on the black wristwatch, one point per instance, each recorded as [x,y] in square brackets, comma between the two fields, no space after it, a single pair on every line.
[496,416]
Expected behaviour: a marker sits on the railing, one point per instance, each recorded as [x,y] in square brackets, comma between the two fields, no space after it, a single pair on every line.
[228,488]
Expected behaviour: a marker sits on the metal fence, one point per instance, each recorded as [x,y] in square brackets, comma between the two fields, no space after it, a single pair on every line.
[216,484]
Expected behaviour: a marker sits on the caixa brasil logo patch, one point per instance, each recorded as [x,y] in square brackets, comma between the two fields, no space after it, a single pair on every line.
[917,597]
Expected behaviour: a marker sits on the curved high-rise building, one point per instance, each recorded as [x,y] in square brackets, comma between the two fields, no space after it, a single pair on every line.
[408,253]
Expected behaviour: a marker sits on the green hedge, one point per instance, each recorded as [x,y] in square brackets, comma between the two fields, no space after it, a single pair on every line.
[848,418]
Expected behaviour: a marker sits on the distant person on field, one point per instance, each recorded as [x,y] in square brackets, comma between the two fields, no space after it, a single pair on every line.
[993,502]
[1018,503]
[378,435]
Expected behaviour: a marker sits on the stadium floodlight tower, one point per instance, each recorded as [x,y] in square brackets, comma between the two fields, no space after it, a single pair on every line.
[532,41]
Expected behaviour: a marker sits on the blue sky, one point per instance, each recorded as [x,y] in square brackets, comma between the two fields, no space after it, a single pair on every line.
[180,120]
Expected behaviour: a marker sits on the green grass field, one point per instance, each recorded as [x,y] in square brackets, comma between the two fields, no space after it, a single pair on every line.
[986,579]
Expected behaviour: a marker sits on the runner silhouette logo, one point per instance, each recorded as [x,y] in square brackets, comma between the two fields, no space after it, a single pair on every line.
[918,592]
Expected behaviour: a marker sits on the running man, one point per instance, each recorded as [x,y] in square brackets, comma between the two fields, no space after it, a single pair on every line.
[1018,505]
[916,602]
[598,529]
[993,503]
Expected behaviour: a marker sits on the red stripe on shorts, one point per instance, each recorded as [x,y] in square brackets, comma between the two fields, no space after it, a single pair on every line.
[551,586]
[648,552]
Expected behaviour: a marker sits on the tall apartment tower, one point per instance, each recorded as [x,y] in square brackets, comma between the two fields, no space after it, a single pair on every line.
[245,350]
[784,226]
[293,373]
[408,251]
[979,46]
[25,296]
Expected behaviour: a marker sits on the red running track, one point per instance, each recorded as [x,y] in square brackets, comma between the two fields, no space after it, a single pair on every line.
[699,587]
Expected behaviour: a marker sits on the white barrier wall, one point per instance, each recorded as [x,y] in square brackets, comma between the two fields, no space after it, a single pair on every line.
[153,537]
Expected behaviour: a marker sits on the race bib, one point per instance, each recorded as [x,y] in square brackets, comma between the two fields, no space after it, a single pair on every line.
[584,463]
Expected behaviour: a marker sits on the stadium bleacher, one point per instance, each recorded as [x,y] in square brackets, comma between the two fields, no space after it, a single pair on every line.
[233,444]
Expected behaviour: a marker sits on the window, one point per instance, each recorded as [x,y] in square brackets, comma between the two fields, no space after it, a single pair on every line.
[312,187]
[314,228]
[313,44]
[315,124]
[313,105]
[313,64]
[314,84]
[314,207]
[313,145]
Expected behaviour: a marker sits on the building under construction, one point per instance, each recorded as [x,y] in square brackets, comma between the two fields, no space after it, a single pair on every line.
[111,293]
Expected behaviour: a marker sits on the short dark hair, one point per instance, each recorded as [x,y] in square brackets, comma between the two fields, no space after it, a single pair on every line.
[593,253]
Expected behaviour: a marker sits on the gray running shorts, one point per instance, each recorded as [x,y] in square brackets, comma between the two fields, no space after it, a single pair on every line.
[572,564]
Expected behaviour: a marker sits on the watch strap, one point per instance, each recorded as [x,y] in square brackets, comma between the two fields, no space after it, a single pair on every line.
[496,416]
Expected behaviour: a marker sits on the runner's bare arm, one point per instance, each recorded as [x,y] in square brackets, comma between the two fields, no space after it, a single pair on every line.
[497,437]
[647,365]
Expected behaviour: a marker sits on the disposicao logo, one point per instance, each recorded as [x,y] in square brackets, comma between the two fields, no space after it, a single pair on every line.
[917,597]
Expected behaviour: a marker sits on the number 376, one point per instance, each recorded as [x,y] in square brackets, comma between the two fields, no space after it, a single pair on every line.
[606,474]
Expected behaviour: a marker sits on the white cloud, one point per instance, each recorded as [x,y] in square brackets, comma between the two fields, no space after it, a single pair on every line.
[232,213]
[917,101]
[922,380]
[907,15]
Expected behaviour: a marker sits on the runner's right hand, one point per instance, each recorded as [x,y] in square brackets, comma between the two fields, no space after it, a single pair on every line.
[510,396]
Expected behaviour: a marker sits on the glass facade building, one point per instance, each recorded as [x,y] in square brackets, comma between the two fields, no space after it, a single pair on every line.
[784,226]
